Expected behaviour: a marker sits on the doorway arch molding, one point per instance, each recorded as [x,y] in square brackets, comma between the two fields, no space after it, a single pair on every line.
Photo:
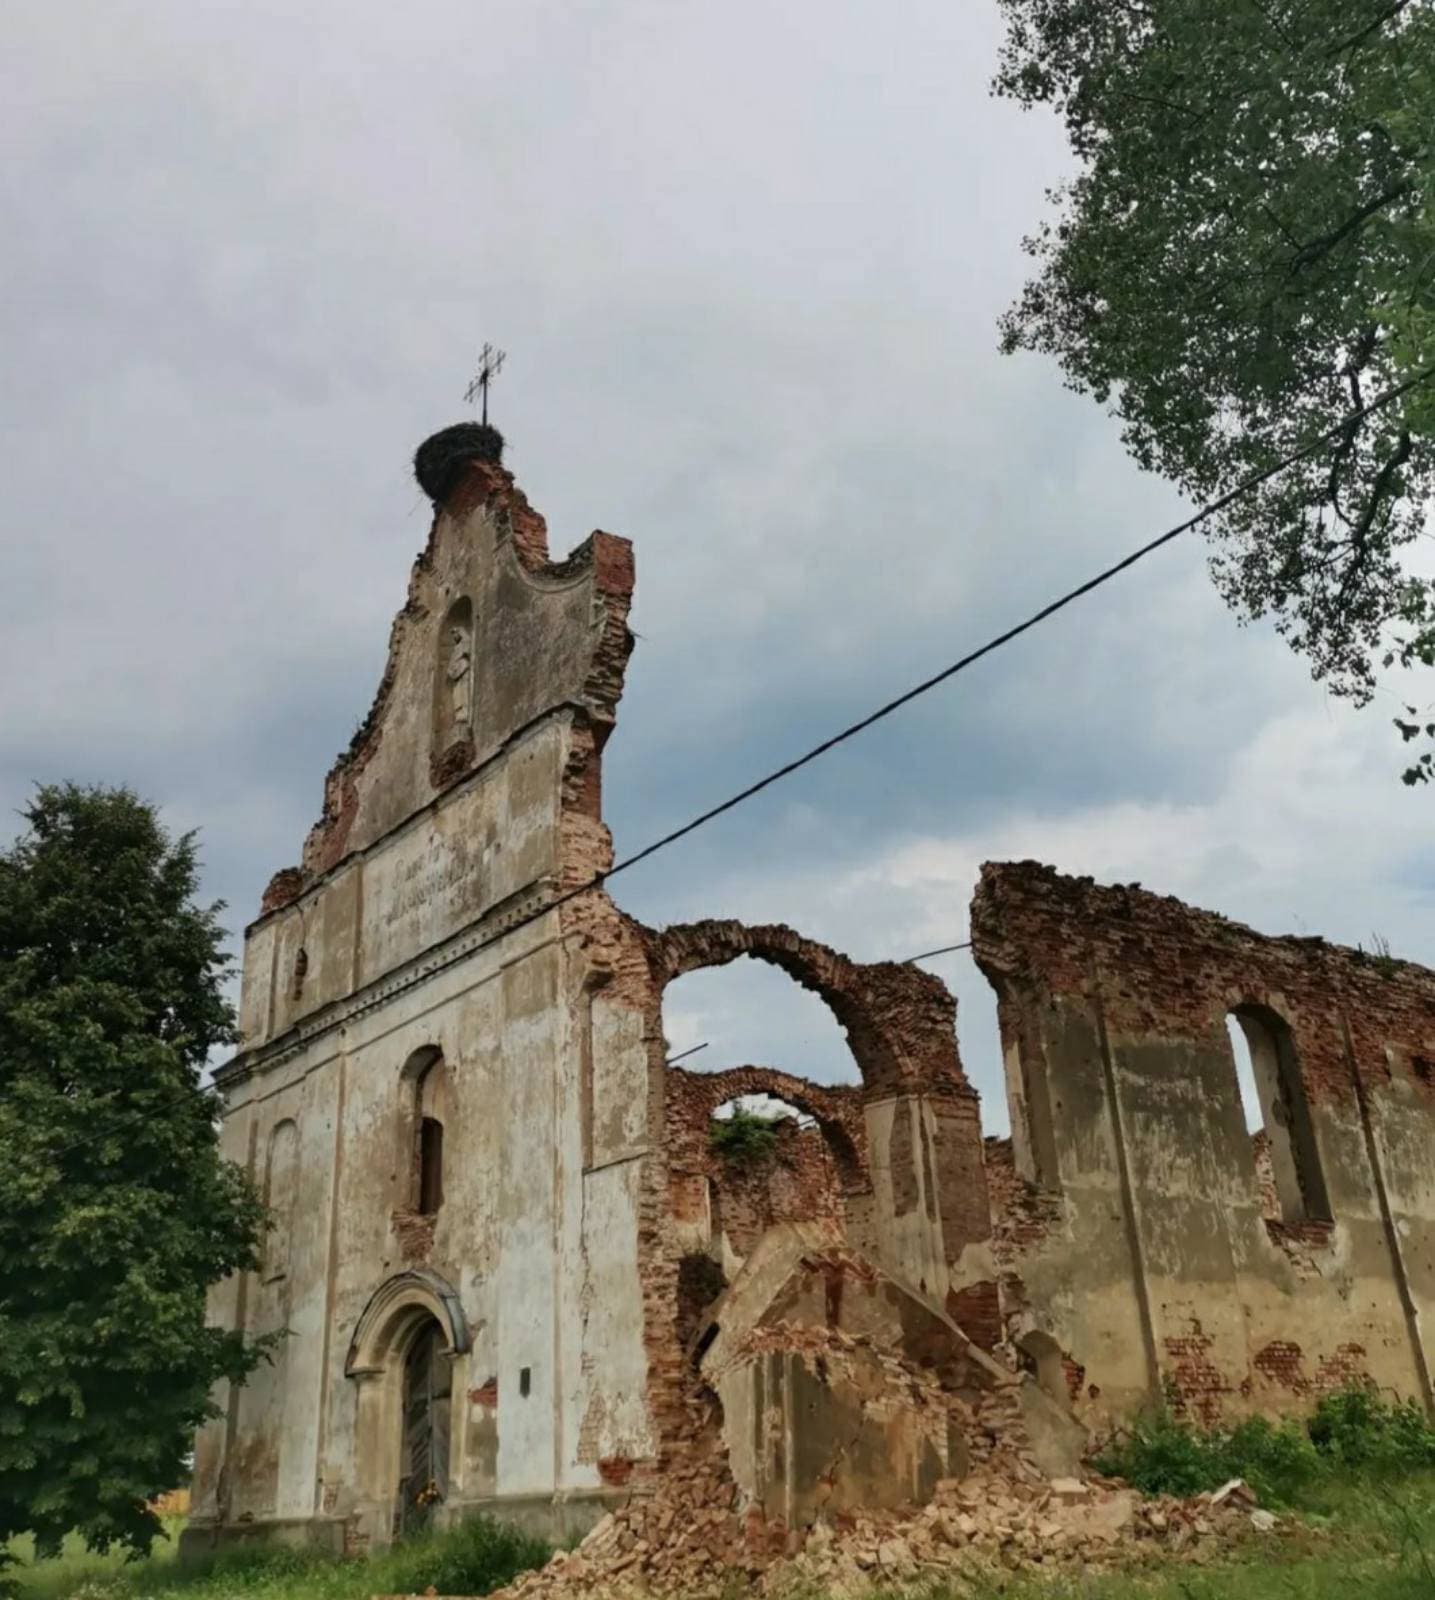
[395,1308]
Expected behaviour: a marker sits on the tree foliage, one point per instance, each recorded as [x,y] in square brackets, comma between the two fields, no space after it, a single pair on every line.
[1245,257]
[116,1210]
[744,1137]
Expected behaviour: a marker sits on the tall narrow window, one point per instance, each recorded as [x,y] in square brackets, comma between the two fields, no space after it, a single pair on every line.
[430,1165]
[1277,1113]
[280,1174]
[431,1093]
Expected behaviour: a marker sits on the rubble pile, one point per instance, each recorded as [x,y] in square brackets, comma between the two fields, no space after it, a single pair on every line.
[987,1520]
[686,1538]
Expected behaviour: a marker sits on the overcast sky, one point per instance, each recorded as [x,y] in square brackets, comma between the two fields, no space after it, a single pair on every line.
[747,260]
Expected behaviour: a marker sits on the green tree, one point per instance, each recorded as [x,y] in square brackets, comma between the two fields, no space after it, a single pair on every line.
[1245,256]
[117,1211]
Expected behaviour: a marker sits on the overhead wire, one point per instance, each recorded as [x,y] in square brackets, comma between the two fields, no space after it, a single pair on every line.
[946,950]
[1247,484]
[1209,509]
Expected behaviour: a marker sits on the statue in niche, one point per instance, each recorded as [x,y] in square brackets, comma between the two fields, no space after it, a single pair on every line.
[459,673]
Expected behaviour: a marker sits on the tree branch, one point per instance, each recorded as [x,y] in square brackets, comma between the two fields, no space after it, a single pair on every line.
[1378,492]
[1308,254]
[1362,34]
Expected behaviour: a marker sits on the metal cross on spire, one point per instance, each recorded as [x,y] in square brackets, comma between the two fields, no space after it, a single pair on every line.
[490,361]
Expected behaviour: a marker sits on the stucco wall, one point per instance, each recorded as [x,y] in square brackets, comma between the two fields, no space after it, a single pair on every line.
[408,937]
[1132,1230]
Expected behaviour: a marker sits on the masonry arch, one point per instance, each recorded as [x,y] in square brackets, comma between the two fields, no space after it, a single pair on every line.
[396,1308]
[833,1110]
[900,1022]
[406,1357]
[928,1202]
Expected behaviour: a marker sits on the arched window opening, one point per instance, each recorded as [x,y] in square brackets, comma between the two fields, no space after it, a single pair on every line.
[1277,1116]
[768,1163]
[424,1117]
[301,971]
[749,1126]
[750,1010]
[280,1174]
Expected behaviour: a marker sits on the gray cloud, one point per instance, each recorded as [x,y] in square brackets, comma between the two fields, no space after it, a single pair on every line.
[748,262]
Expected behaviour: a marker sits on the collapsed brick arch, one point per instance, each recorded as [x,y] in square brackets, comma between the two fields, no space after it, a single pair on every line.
[901,1022]
[836,1111]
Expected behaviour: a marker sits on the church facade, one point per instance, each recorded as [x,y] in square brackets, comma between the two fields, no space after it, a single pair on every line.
[513,1270]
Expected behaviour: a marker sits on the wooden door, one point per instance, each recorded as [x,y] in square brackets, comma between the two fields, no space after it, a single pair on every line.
[423,1484]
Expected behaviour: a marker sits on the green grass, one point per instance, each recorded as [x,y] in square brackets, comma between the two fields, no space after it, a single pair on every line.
[1365,1528]
[472,1559]
[60,1577]
[1373,1542]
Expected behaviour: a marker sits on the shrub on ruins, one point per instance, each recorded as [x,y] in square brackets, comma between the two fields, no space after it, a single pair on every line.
[1359,1428]
[744,1138]
[1353,1433]
[117,1212]
[1242,263]
[1164,1454]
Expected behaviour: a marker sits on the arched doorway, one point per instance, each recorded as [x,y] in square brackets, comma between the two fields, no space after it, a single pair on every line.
[408,1357]
[424,1445]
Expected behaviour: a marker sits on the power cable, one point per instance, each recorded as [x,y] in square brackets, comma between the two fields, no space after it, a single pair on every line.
[944,951]
[1253,481]
[1247,484]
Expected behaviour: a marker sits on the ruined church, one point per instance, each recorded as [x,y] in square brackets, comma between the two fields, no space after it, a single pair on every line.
[517,1273]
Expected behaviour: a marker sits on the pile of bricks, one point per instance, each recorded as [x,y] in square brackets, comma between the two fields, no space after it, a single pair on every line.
[986,1521]
[687,1538]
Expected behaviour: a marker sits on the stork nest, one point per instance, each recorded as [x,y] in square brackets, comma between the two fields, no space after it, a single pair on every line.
[439,459]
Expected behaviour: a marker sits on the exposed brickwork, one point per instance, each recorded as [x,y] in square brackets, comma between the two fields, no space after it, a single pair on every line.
[1282,1363]
[491,487]
[796,1181]
[693,1097]
[976,1310]
[900,1021]
[1195,1384]
[615,1471]
[1177,971]
[1299,1247]
[283,889]
[448,765]
[414,1232]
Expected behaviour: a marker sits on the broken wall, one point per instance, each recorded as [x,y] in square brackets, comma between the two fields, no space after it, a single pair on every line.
[906,1144]
[1133,1229]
